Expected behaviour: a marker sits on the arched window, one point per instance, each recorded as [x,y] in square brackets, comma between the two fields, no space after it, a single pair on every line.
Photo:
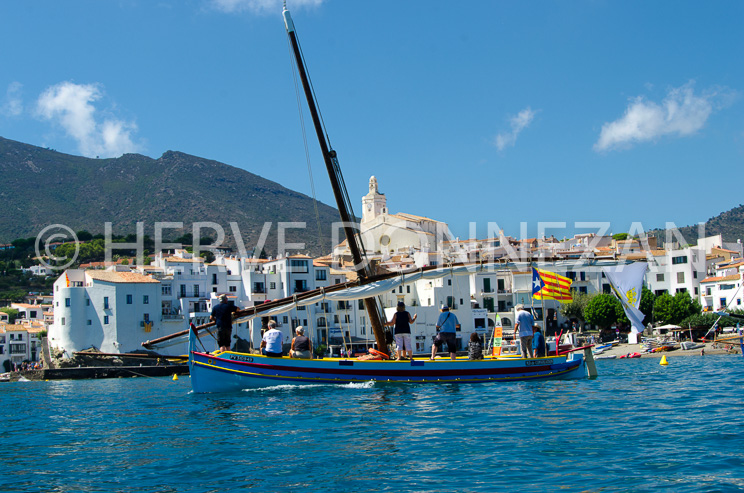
[505,322]
[321,322]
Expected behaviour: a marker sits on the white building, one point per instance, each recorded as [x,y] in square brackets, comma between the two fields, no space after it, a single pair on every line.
[112,311]
[384,233]
[724,289]
[31,313]
[19,343]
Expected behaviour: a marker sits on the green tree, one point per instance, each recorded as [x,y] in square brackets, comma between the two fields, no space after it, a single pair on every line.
[12,314]
[620,236]
[185,239]
[576,308]
[684,306]
[14,294]
[664,308]
[84,235]
[647,304]
[706,320]
[602,310]
[673,309]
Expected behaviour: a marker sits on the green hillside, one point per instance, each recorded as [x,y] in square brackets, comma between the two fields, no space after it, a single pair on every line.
[40,187]
[729,224]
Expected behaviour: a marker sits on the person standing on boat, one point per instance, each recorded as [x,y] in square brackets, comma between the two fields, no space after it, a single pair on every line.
[523,330]
[272,341]
[447,324]
[402,321]
[222,315]
[301,345]
[538,343]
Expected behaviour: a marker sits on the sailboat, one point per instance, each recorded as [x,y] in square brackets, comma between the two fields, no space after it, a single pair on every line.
[230,370]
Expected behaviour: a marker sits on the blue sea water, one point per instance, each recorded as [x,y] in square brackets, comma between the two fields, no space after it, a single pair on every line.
[638,427]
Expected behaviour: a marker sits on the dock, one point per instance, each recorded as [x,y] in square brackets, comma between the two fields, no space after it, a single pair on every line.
[95,372]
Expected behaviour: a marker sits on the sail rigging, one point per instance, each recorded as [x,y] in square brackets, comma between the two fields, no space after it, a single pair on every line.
[330,157]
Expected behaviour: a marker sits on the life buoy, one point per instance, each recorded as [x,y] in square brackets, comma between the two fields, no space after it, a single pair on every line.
[378,353]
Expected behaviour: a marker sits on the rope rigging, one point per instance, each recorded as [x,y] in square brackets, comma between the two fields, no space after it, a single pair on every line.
[307,149]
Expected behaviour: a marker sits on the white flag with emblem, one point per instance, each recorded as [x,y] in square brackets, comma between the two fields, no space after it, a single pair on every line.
[627,282]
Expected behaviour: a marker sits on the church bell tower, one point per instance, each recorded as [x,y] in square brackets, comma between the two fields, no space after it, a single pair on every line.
[374,203]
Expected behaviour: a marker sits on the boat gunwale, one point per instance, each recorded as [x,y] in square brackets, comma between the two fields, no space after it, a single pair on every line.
[418,370]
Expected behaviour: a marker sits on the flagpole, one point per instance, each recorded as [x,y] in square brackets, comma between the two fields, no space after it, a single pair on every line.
[532,295]
[545,330]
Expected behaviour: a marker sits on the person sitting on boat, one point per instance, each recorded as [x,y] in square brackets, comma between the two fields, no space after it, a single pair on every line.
[222,315]
[301,345]
[447,325]
[272,341]
[523,328]
[402,321]
[538,343]
[475,348]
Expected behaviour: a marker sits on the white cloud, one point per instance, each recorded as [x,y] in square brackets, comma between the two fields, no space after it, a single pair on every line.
[13,105]
[70,105]
[260,6]
[518,123]
[681,113]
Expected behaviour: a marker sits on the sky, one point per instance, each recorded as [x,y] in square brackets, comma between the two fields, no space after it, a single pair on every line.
[546,117]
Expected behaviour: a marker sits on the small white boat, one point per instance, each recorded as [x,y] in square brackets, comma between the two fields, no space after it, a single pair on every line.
[688,345]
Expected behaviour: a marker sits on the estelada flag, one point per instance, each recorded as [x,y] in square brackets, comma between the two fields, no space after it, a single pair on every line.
[548,285]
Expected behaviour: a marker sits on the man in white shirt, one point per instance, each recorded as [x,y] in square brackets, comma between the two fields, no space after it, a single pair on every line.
[272,341]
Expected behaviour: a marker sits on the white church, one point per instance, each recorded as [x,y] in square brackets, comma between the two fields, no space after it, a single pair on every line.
[386,234]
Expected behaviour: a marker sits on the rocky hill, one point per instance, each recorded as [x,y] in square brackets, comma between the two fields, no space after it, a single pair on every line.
[40,187]
[729,224]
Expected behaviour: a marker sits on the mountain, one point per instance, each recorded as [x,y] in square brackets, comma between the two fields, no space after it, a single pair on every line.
[729,224]
[41,187]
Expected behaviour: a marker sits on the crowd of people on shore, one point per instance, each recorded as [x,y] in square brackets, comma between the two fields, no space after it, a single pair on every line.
[27,365]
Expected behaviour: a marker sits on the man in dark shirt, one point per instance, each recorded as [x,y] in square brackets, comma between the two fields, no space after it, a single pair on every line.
[222,315]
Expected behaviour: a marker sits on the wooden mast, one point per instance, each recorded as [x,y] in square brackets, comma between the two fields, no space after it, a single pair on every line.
[361,265]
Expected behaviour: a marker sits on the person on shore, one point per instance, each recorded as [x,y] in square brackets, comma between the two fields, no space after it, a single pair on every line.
[301,346]
[538,343]
[402,321]
[475,348]
[523,330]
[447,325]
[222,315]
[272,341]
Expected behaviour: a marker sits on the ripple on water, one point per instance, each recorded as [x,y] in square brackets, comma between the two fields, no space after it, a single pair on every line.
[639,427]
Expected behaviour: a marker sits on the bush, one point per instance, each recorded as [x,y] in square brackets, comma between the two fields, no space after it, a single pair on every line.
[603,310]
